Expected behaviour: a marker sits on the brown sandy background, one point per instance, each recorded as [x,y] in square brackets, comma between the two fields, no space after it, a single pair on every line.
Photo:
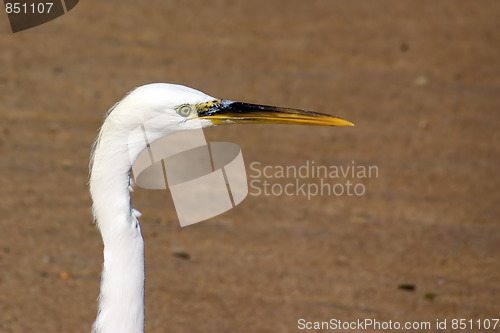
[421,80]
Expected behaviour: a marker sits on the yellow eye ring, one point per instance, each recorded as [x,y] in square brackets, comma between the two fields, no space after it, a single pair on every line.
[184,110]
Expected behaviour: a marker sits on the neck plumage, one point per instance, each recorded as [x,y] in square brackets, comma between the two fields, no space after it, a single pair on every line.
[121,299]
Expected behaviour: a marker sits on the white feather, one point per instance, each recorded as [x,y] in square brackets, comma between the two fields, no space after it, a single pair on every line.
[121,299]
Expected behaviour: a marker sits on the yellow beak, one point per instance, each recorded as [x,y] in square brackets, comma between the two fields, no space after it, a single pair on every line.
[229,112]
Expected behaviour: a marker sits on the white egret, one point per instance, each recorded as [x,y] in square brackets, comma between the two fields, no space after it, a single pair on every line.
[121,299]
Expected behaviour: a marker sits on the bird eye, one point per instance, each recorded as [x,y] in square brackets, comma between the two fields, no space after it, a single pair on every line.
[184,110]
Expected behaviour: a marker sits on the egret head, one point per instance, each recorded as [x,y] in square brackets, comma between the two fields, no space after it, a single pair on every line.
[177,106]
[166,109]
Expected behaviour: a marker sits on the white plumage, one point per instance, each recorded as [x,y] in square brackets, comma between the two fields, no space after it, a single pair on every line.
[121,299]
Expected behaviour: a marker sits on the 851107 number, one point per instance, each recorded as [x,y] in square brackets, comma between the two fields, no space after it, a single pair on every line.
[24,8]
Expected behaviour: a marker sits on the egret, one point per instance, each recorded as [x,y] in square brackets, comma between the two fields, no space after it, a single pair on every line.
[121,298]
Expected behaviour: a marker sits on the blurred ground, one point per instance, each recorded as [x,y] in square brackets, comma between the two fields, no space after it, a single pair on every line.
[421,80]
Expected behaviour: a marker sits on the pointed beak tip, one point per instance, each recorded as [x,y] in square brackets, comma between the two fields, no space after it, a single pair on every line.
[343,122]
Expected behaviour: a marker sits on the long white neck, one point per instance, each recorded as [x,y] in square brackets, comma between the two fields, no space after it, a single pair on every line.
[121,299]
